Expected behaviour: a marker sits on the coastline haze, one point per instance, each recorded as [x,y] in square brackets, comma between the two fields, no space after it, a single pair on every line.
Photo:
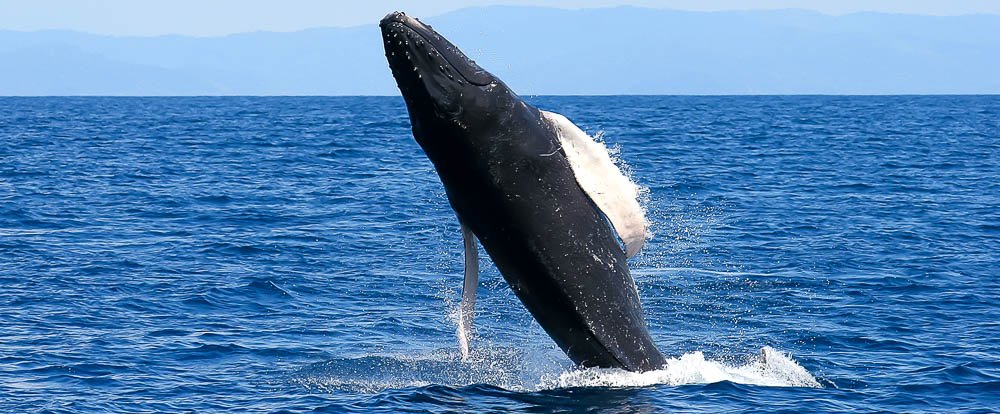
[223,17]
[622,50]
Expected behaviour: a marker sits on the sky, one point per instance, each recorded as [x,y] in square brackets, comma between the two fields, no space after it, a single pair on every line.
[220,17]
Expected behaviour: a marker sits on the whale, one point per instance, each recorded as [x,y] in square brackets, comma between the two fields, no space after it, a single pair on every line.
[545,201]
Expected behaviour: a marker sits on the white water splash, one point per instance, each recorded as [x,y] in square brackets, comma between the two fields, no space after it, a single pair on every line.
[520,372]
[771,369]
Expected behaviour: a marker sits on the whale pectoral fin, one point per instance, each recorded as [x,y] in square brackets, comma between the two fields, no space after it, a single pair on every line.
[466,309]
[614,194]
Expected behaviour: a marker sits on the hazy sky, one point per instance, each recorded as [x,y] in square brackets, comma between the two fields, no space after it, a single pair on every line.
[216,17]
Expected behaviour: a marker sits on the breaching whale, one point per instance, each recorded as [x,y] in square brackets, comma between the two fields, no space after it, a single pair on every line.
[545,201]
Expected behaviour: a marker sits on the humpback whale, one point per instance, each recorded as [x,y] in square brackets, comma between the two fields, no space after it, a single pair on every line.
[546,202]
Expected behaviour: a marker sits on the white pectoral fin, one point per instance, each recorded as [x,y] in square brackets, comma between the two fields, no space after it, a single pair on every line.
[613,192]
[466,309]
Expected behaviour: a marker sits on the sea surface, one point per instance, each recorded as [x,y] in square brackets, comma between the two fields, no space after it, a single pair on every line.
[810,254]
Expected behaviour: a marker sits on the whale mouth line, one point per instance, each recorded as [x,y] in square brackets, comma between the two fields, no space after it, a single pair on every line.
[437,47]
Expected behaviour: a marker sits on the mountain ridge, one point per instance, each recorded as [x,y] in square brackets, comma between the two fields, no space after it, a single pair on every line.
[537,50]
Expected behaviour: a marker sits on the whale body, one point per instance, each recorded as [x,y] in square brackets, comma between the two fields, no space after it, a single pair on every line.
[545,201]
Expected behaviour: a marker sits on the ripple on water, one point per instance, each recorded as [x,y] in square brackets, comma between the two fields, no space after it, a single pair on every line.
[299,254]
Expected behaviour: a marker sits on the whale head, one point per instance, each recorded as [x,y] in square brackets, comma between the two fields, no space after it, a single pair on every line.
[445,91]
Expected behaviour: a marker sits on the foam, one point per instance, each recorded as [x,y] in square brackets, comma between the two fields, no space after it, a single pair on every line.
[771,368]
[516,371]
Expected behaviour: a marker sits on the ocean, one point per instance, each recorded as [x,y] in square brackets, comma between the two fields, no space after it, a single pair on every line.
[244,254]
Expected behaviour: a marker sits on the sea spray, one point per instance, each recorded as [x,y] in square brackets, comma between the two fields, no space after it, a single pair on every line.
[526,371]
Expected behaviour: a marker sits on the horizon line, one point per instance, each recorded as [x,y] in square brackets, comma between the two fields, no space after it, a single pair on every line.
[531,95]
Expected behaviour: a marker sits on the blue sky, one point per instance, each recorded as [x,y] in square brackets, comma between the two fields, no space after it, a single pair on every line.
[217,17]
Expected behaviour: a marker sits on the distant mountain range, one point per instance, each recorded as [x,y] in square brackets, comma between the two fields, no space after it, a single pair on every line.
[623,50]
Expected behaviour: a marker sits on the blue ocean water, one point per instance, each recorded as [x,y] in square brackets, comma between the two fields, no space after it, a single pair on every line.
[298,254]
